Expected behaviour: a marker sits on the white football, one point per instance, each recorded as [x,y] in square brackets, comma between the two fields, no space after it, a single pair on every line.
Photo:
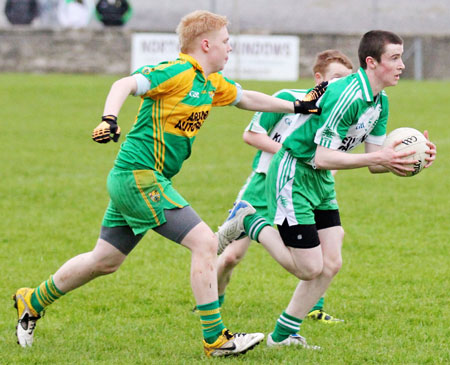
[412,140]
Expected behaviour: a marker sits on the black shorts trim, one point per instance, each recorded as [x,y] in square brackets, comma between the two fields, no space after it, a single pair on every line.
[300,235]
[121,237]
[327,218]
[306,235]
[179,222]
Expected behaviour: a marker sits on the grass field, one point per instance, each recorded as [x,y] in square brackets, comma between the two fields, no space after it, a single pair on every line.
[393,289]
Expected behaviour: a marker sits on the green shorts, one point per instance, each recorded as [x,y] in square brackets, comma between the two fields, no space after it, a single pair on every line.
[295,190]
[138,199]
[254,191]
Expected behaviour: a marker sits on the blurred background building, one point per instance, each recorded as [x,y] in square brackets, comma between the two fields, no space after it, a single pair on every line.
[48,45]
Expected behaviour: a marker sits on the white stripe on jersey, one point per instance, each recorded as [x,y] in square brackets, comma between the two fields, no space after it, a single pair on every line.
[285,180]
[344,99]
[365,89]
[350,94]
[378,140]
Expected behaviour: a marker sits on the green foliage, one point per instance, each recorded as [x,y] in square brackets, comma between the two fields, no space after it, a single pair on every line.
[392,290]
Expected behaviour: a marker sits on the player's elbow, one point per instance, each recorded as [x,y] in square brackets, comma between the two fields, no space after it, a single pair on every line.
[321,163]
[321,159]
[247,137]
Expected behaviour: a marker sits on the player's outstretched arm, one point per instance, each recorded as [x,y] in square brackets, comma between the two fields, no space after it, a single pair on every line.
[108,129]
[257,101]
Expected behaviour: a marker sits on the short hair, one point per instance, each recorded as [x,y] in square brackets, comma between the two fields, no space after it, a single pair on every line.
[325,58]
[373,44]
[195,24]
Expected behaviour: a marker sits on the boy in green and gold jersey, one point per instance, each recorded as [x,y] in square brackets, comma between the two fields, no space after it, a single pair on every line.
[176,98]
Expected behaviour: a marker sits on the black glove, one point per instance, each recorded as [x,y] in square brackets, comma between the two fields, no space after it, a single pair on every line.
[107,130]
[308,104]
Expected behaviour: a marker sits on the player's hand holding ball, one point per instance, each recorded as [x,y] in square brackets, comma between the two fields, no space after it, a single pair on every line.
[107,130]
[431,152]
[417,152]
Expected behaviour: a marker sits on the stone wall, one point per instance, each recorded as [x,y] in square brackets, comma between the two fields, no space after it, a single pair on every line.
[24,49]
[77,51]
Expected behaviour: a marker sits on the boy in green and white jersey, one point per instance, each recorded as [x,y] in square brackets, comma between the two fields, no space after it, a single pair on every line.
[267,132]
[301,195]
[176,98]
[300,187]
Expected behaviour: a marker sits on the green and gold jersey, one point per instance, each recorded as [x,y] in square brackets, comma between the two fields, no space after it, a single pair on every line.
[171,113]
[350,116]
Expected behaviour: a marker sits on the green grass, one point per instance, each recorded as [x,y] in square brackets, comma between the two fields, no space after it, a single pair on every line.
[392,290]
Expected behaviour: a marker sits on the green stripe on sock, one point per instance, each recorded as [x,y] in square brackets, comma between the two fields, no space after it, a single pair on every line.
[35,303]
[248,222]
[50,295]
[286,325]
[253,224]
[211,320]
[45,294]
[56,289]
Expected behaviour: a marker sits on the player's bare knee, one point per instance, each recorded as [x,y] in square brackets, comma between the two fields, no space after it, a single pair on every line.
[228,260]
[332,266]
[103,264]
[205,247]
[231,258]
[105,267]
[310,271]
[211,247]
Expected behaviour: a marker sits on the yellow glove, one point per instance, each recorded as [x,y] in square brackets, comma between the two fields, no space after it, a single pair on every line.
[107,130]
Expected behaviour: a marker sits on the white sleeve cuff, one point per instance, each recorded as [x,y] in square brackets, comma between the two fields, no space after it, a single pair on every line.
[378,140]
[143,84]
[239,94]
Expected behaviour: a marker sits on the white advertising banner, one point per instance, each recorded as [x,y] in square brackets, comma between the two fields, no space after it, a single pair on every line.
[254,57]
[258,57]
[153,48]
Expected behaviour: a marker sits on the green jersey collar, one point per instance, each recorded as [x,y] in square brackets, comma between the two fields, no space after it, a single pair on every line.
[191,60]
[365,85]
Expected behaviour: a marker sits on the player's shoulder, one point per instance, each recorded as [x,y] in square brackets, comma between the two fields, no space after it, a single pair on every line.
[170,68]
[218,76]
[341,93]
[347,87]
[342,82]
[290,94]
